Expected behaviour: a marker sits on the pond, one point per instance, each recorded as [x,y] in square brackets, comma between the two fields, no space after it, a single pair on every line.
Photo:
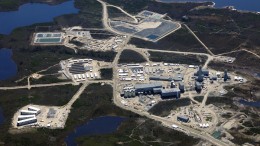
[8,67]
[247,5]
[31,13]
[97,126]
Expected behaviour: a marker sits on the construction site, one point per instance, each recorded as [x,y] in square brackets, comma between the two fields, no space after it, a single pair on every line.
[79,70]
[52,117]
[80,38]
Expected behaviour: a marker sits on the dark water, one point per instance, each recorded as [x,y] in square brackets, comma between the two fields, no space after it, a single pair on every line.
[249,103]
[246,5]
[33,13]
[8,67]
[1,116]
[97,126]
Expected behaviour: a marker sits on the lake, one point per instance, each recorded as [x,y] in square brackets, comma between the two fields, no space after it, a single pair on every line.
[97,126]
[247,5]
[31,13]
[250,103]
[8,67]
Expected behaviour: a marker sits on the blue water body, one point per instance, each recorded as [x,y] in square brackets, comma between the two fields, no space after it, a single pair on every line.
[97,126]
[8,67]
[249,103]
[33,13]
[2,118]
[246,5]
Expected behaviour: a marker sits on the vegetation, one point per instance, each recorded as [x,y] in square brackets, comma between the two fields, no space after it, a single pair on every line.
[177,58]
[95,101]
[164,108]
[106,73]
[240,30]
[77,43]
[245,62]
[148,133]
[175,10]
[130,56]
[48,79]
[12,100]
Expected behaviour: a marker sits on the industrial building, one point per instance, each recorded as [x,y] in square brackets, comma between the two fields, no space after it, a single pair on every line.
[170,93]
[198,86]
[176,78]
[183,119]
[181,87]
[27,121]
[77,68]
[200,74]
[129,93]
[226,76]
[146,88]
[204,72]
[160,78]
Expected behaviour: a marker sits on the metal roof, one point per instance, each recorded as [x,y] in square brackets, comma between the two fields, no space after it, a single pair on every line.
[170,90]
[151,85]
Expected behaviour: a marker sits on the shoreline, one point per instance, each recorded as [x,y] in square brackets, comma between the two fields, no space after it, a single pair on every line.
[213,6]
[16,8]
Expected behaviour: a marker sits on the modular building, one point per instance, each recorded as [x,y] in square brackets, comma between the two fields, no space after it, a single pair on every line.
[183,119]
[159,78]
[26,112]
[170,93]
[22,117]
[31,108]
[145,88]
[26,121]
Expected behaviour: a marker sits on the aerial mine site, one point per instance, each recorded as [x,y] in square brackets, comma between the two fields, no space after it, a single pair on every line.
[115,72]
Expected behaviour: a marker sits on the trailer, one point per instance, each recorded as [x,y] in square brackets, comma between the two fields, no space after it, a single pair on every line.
[26,112]
[83,76]
[75,77]
[31,108]
[95,74]
[27,121]
[22,117]
[79,75]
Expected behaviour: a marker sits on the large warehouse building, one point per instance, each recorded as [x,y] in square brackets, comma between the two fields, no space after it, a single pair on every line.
[146,88]
[170,93]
